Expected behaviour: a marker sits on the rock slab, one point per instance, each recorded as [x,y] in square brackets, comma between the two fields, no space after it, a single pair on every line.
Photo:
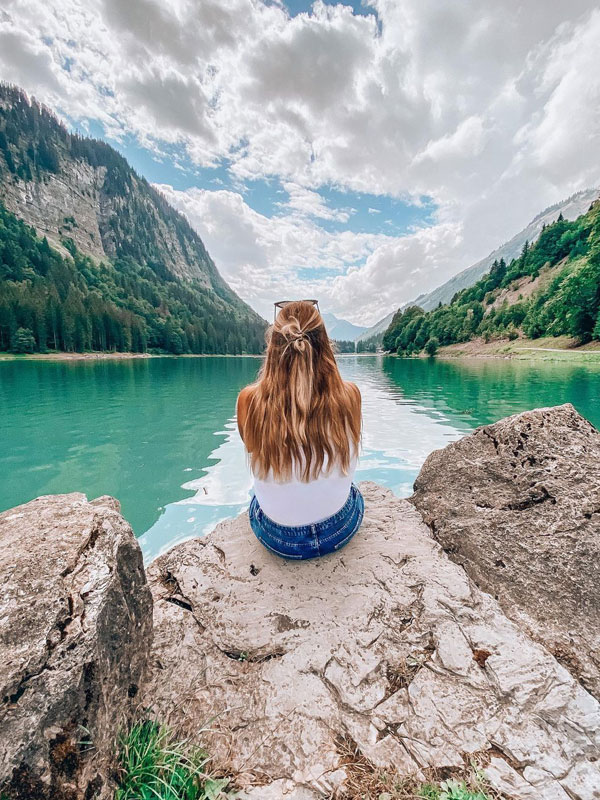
[517,504]
[75,632]
[386,646]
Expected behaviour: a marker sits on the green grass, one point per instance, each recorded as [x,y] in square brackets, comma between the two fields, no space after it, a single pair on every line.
[451,790]
[446,790]
[155,765]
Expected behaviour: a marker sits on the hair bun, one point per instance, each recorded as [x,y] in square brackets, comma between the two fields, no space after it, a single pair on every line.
[299,342]
[294,336]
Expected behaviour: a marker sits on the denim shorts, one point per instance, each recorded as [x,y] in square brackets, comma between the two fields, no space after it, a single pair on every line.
[309,541]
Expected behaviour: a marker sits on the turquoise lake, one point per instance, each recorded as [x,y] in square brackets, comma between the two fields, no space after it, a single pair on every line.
[159,434]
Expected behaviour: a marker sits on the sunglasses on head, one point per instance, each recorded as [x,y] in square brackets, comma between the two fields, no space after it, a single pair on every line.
[282,303]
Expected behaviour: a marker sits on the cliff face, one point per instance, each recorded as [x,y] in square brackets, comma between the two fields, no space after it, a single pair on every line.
[78,192]
[71,187]
[45,204]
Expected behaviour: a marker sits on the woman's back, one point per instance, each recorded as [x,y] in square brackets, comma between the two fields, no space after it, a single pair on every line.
[301,425]
[298,502]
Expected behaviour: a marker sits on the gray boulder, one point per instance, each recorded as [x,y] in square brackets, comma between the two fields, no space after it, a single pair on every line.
[75,631]
[385,648]
[517,504]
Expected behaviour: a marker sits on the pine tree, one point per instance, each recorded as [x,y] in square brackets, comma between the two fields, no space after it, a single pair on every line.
[23,341]
[432,346]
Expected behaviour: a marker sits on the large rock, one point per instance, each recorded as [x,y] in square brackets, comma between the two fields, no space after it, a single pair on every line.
[75,631]
[386,646]
[518,504]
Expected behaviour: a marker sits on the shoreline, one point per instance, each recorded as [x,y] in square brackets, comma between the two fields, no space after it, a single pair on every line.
[116,356]
[560,348]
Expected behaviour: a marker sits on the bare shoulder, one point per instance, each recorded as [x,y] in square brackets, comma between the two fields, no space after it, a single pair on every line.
[243,401]
[355,391]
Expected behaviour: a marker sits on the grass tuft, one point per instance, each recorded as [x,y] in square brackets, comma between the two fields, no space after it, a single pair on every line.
[451,790]
[386,787]
[155,765]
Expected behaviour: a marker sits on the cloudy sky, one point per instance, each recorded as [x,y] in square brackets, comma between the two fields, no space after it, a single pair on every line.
[357,153]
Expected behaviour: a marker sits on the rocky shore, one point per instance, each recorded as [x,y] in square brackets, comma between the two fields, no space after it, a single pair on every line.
[461,623]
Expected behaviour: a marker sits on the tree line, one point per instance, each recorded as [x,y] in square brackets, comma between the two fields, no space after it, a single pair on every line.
[344,345]
[568,304]
[369,345]
[50,301]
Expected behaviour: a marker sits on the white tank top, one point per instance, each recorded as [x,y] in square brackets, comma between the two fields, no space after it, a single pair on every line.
[297,503]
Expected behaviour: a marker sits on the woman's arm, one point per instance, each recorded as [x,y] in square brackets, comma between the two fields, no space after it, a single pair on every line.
[356,409]
[241,409]
[357,397]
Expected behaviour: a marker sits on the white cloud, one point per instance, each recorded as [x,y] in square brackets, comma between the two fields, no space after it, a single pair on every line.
[261,257]
[264,258]
[491,109]
[401,269]
[466,142]
[311,204]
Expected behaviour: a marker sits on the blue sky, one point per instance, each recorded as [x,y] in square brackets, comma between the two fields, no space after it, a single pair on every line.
[300,6]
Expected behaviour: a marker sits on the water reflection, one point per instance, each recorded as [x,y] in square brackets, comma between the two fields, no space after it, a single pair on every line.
[396,440]
[221,492]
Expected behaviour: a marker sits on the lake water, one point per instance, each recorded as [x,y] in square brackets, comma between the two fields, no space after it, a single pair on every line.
[159,434]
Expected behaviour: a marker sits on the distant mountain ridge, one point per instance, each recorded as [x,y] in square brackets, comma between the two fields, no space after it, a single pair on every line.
[85,199]
[376,330]
[571,208]
[341,329]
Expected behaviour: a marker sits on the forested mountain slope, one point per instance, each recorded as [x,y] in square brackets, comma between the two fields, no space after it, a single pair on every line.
[123,268]
[570,209]
[551,289]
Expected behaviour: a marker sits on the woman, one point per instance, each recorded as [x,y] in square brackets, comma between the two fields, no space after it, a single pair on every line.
[301,424]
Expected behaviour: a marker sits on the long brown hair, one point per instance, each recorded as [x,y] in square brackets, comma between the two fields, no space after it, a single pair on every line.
[300,411]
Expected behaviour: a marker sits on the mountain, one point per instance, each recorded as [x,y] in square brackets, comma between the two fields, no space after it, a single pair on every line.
[340,329]
[551,289]
[571,208]
[133,261]
[376,331]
